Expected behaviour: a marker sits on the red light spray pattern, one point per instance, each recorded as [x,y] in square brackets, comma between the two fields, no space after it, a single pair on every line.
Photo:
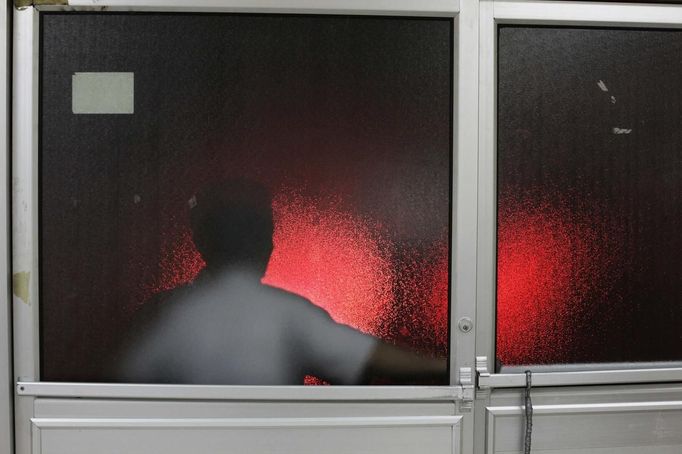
[345,264]
[180,263]
[333,258]
[311,380]
[420,313]
[321,252]
[551,262]
[436,306]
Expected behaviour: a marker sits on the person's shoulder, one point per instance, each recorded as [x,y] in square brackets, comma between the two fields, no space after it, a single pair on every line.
[285,295]
[294,301]
[159,303]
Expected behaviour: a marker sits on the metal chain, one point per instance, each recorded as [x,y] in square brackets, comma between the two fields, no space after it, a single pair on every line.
[528,414]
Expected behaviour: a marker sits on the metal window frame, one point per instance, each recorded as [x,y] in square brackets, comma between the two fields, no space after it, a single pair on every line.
[464,15]
[541,12]
[25,196]
[6,382]
[434,8]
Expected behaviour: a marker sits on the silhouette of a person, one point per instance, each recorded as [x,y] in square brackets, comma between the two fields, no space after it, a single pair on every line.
[229,328]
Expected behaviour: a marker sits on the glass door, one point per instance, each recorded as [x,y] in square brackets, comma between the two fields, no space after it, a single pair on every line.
[226,204]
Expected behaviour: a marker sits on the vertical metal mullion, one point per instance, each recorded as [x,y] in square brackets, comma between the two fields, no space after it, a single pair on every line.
[486,214]
[465,188]
[25,227]
[6,374]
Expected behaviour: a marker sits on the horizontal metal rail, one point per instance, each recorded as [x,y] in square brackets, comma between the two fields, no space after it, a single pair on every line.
[250,393]
[579,378]
[437,8]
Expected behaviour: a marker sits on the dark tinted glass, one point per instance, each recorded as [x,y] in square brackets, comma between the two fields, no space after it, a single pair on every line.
[344,121]
[589,195]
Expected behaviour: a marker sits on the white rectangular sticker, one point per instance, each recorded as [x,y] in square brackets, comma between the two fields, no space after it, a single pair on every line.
[103,93]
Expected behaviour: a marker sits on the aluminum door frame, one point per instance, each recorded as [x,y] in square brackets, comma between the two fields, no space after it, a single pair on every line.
[6,381]
[541,12]
[464,14]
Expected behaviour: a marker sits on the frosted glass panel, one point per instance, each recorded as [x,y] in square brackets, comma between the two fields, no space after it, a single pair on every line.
[317,152]
[589,252]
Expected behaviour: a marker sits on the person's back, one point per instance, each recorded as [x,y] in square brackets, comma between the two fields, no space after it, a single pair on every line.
[230,329]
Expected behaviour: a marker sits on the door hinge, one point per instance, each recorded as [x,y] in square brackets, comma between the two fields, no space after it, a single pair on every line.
[22,4]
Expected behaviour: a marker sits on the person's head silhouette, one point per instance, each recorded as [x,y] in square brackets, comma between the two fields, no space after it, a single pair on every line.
[232,225]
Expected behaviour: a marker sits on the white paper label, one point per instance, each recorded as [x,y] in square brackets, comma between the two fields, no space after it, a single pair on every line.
[103,93]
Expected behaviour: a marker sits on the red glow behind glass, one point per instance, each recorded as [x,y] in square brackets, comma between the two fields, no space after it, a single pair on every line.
[336,260]
[552,263]
[437,307]
[345,264]
[321,252]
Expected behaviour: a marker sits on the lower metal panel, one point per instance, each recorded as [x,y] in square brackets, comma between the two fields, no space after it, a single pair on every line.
[80,426]
[588,420]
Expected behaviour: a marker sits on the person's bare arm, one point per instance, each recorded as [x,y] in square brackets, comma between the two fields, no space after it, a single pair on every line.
[395,363]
